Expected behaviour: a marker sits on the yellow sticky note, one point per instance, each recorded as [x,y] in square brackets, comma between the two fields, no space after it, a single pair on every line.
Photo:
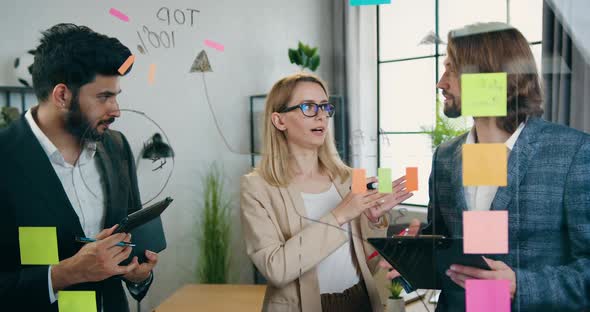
[385,185]
[485,232]
[485,164]
[38,245]
[484,94]
[75,301]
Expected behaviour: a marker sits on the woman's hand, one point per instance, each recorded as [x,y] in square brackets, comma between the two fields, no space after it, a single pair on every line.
[390,200]
[354,204]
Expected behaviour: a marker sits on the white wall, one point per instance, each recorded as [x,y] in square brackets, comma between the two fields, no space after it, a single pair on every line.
[256,35]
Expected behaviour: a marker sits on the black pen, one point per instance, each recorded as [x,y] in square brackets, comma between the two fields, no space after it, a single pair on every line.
[371,186]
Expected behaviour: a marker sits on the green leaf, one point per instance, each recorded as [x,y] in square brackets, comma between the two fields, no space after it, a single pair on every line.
[304,60]
[314,51]
[314,62]
[294,57]
[301,46]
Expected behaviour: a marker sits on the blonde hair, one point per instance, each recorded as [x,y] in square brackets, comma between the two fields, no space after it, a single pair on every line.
[274,166]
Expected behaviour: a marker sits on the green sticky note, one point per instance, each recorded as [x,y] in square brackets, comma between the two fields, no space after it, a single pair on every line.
[484,95]
[38,245]
[75,301]
[384,175]
[369,2]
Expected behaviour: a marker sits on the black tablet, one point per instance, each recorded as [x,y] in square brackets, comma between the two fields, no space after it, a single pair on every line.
[423,260]
[143,216]
[147,232]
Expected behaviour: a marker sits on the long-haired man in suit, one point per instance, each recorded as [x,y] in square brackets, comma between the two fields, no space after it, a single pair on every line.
[62,167]
[548,191]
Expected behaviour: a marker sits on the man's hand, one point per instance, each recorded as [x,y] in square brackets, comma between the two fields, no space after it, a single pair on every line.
[142,271]
[94,262]
[413,230]
[398,195]
[500,271]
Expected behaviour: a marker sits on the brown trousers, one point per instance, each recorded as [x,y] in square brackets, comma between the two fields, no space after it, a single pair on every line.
[352,299]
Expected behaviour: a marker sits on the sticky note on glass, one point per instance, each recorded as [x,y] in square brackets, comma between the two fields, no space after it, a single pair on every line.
[384,176]
[128,62]
[75,301]
[483,94]
[487,295]
[485,232]
[485,164]
[118,14]
[368,2]
[359,181]
[38,245]
[411,179]
[152,74]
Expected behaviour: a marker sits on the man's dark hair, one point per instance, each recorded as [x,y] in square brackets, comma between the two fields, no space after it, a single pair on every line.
[74,55]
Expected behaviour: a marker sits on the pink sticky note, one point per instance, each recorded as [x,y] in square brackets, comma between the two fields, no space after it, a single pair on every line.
[485,232]
[215,45]
[487,296]
[118,14]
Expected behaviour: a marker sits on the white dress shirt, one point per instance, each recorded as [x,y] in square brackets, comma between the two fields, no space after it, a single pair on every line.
[82,183]
[337,272]
[481,197]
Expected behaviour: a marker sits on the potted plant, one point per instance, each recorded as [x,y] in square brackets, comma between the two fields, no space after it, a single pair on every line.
[8,115]
[214,240]
[305,56]
[443,130]
[395,302]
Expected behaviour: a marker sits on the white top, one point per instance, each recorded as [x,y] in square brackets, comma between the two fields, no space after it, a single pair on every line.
[481,197]
[82,184]
[336,272]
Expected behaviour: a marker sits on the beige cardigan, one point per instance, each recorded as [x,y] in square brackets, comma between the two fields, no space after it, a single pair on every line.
[287,248]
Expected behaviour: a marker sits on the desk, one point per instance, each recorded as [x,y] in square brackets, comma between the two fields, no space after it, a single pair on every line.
[218,298]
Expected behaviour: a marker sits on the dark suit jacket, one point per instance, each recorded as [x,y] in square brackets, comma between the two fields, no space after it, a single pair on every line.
[548,203]
[31,194]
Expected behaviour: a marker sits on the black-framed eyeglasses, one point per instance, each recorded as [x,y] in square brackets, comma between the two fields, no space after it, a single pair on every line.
[311,109]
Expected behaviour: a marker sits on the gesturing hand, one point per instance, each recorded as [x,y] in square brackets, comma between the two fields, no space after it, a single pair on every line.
[390,200]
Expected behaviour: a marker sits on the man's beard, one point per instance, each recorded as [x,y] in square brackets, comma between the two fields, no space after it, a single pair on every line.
[453,108]
[80,126]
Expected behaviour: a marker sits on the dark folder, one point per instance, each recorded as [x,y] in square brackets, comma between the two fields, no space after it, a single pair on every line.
[423,260]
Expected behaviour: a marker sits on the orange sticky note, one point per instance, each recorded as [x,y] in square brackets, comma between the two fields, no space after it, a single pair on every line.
[485,164]
[412,179]
[359,181]
[485,232]
[152,73]
[123,69]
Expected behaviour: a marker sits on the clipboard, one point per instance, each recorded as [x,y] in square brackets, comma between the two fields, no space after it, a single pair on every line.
[423,260]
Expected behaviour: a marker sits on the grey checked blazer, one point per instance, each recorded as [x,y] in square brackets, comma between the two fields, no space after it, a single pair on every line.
[548,203]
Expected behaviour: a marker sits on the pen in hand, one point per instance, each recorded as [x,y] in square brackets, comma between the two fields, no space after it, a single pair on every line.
[92,240]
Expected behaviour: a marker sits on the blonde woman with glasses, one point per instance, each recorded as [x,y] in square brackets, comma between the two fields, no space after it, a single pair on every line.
[302,226]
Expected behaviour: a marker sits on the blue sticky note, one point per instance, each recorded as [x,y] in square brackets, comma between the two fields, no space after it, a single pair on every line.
[369,2]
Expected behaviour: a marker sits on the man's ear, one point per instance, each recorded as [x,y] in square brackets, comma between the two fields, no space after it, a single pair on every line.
[277,121]
[61,96]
